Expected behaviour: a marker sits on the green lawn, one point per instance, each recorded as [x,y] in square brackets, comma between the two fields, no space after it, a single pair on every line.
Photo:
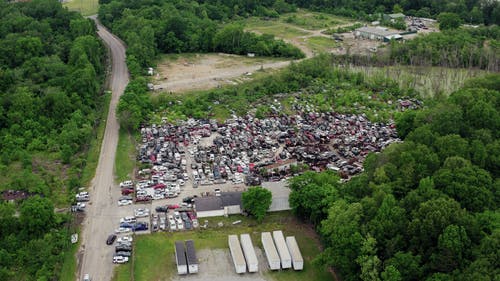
[154,257]
[321,44]
[85,7]
[273,27]
[313,20]
[125,156]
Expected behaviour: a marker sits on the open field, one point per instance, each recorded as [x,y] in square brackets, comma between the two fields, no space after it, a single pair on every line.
[181,73]
[319,44]
[154,258]
[85,7]
[313,20]
[427,81]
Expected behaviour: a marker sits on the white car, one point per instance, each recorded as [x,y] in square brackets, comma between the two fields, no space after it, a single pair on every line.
[122,230]
[181,182]
[128,219]
[126,184]
[80,205]
[158,196]
[125,239]
[124,202]
[120,259]
[86,277]
[141,212]
[180,225]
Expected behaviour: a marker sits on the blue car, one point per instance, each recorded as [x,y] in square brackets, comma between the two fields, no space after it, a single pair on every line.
[140,226]
[126,225]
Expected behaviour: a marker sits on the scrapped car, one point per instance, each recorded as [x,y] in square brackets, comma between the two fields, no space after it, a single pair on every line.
[124,202]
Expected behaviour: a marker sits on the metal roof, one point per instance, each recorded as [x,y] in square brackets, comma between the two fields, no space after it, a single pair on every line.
[377,31]
[180,254]
[211,203]
[191,252]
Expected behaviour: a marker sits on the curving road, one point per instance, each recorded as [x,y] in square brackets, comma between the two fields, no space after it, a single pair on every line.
[102,213]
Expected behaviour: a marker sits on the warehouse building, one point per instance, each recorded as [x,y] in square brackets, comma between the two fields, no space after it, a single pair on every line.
[376,33]
[227,203]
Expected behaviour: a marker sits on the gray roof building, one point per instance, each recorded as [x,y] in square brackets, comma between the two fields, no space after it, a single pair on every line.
[374,33]
[226,203]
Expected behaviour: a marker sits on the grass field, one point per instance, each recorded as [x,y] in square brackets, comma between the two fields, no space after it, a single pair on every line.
[320,44]
[313,20]
[85,7]
[125,156]
[153,254]
[273,27]
[427,81]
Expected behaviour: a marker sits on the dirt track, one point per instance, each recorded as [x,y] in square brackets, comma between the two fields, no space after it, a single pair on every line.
[102,214]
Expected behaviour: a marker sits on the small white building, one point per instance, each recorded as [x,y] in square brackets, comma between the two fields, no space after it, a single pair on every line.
[374,33]
[180,258]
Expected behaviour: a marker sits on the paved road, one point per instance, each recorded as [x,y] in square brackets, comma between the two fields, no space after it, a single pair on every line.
[103,213]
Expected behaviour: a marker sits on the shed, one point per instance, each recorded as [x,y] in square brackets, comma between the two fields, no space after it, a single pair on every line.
[192,261]
[180,257]
[394,17]
[293,247]
[271,254]
[238,258]
[249,252]
[279,240]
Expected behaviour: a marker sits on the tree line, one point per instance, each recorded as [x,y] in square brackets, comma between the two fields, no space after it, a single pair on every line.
[456,48]
[423,209]
[170,26]
[471,11]
[51,68]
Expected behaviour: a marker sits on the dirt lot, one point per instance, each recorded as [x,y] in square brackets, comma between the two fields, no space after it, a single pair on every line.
[205,71]
[217,265]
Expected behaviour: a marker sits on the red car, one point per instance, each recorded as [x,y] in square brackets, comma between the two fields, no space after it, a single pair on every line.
[127,191]
[173,206]
[159,186]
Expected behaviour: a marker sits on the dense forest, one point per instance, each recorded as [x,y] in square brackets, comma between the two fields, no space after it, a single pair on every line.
[170,26]
[456,48]
[423,209]
[470,11]
[51,68]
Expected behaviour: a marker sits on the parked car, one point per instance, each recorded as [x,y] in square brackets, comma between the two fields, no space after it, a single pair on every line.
[161,209]
[126,197]
[86,277]
[128,219]
[120,259]
[125,239]
[189,199]
[122,230]
[111,239]
[124,202]
[126,224]
[124,243]
[140,226]
[123,248]
[126,184]
[146,198]
[127,191]
[123,254]
[173,206]
[187,224]
[141,212]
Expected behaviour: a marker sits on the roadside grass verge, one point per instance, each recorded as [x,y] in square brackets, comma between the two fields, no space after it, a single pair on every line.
[154,255]
[85,7]
[69,265]
[321,44]
[95,144]
[125,156]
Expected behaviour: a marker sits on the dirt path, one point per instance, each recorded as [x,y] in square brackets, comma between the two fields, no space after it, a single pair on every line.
[102,214]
